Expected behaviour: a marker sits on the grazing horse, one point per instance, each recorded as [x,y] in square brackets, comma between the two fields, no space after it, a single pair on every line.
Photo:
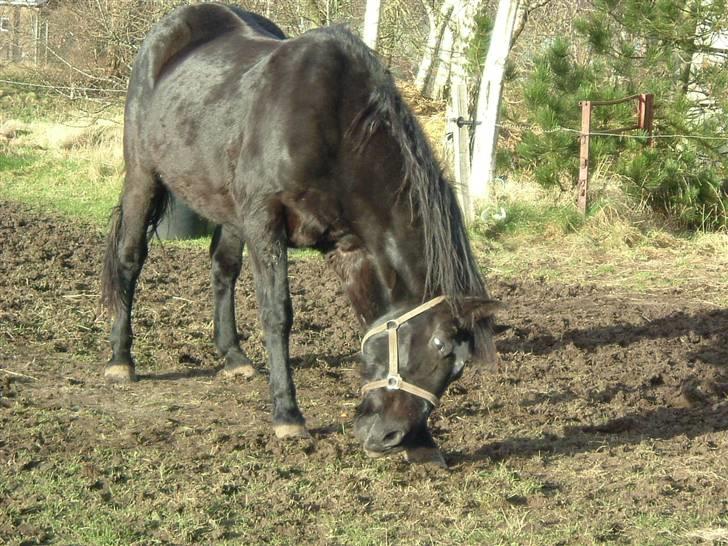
[301,142]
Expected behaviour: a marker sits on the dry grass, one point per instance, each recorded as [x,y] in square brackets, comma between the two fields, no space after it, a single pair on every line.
[76,166]
[619,244]
[716,535]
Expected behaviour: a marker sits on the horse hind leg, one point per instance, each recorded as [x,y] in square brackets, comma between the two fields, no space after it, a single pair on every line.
[226,252]
[143,202]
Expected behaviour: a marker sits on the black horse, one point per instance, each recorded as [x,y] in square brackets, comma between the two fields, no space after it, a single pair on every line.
[300,143]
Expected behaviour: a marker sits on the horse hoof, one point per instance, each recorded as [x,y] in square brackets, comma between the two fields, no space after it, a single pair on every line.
[425,455]
[287,431]
[119,373]
[245,370]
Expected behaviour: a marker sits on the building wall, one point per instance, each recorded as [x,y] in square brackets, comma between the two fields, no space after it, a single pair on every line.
[23,33]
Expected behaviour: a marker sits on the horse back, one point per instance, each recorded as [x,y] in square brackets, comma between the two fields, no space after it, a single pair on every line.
[189,27]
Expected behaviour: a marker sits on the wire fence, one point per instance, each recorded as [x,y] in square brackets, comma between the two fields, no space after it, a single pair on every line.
[508,126]
[64,87]
[559,129]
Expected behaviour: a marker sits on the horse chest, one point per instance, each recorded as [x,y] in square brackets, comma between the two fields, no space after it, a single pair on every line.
[312,219]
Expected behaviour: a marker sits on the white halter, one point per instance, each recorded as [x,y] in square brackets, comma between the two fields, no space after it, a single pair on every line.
[394,381]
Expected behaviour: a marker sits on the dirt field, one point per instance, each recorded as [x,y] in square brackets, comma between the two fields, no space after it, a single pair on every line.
[605,422]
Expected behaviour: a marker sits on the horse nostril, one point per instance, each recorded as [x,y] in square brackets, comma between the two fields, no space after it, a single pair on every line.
[393,438]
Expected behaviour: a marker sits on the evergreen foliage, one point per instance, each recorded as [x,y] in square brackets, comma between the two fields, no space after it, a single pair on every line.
[630,47]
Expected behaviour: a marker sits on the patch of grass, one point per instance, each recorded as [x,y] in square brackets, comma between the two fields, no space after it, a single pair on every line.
[31,100]
[196,243]
[521,218]
[13,163]
[530,235]
[26,104]
[61,184]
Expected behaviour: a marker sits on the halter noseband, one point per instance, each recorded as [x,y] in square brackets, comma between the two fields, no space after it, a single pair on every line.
[393,380]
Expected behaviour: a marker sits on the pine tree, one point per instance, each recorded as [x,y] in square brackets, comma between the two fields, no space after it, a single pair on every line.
[665,47]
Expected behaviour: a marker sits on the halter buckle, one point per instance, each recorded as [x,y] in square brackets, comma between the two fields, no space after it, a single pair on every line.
[394,382]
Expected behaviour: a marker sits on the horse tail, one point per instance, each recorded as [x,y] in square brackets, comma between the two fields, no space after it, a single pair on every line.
[110,278]
[115,292]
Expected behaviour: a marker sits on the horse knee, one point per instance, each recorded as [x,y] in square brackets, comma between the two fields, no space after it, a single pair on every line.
[131,258]
[277,321]
[225,270]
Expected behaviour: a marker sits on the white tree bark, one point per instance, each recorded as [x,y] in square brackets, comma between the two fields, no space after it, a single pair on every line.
[438,22]
[370,32]
[458,20]
[712,49]
[464,25]
[435,88]
[491,85]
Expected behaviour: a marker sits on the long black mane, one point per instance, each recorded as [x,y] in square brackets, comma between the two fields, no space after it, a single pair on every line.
[451,266]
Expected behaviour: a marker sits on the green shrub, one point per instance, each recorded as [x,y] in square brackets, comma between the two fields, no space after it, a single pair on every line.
[636,47]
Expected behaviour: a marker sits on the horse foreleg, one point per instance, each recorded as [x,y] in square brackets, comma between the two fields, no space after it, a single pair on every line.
[270,268]
[226,251]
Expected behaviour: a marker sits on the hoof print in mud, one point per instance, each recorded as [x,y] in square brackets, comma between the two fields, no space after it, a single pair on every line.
[119,373]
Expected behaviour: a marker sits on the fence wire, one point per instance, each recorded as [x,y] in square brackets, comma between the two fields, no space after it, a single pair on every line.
[511,126]
[65,88]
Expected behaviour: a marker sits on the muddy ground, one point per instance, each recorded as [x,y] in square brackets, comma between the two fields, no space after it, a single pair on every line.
[604,423]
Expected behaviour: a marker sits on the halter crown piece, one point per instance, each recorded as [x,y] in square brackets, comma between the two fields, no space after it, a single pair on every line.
[394,381]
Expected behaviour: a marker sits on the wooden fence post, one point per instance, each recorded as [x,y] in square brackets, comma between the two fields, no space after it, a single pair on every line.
[586,108]
[646,115]
[645,118]
[461,148]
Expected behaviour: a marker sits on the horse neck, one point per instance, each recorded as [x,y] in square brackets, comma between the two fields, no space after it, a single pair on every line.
[386,275]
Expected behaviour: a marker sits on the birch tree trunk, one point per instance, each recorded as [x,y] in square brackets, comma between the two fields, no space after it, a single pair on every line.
[435,88]
[463,25]
[458,20]
[370,32]
[489,95]
[438,22]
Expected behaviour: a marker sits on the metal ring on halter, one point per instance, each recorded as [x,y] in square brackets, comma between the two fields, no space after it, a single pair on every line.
[393,380]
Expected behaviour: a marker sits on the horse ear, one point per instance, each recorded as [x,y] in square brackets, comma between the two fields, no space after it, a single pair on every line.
[476,314]
[475,309]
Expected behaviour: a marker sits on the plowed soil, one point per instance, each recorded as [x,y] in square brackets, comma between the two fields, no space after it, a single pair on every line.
[605,421]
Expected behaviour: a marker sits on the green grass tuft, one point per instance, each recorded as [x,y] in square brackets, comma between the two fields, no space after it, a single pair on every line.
[59,184]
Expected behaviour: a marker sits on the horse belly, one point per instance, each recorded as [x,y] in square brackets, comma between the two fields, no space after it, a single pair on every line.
[195,158]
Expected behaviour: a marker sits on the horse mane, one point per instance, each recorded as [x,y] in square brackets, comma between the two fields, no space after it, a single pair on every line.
[451,266]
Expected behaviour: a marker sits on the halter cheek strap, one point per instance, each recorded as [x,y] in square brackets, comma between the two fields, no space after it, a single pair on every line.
[394,381]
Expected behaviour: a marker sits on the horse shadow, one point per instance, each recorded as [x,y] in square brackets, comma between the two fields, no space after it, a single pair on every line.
[176,375]
[676,325]
[631,428]
[329,364]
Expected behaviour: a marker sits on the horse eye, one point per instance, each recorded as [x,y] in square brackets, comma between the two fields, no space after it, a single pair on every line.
[444,347]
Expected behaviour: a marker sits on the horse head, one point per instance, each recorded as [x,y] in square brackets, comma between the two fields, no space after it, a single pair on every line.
[409,359]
